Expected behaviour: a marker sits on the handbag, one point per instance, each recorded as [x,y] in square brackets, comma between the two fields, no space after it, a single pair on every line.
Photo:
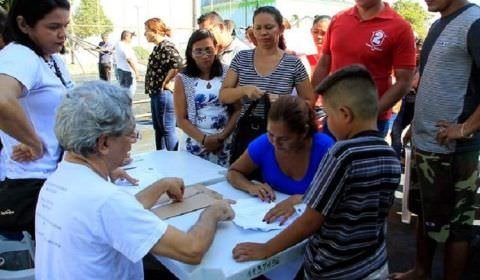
[248,128]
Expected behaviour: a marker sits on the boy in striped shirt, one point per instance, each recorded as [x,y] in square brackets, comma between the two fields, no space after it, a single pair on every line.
[350,196]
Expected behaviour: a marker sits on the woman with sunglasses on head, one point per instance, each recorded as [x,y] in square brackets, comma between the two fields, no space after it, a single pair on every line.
[163,64]
[265,69]
[33,80]
[206,122]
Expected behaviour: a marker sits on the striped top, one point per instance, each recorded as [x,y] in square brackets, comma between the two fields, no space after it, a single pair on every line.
[282,80]
[449,80]
[353,188]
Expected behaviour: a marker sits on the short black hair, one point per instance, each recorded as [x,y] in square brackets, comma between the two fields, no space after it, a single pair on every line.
[352,86]
[318,18]
[213,16]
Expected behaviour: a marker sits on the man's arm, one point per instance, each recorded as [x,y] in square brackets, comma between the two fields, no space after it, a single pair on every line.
[308,223]
[174,188]
[404,78]
[134,68]
[191,246]
[322,70]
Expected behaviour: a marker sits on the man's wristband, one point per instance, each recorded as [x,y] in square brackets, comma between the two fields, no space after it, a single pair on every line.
[203,139]
[462,132]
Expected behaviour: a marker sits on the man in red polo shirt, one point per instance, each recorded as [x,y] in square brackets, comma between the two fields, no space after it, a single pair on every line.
[372,34]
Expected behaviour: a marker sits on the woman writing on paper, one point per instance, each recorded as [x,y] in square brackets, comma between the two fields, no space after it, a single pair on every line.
[287,156]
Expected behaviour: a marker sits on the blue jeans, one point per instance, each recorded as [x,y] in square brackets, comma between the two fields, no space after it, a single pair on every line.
[164,122]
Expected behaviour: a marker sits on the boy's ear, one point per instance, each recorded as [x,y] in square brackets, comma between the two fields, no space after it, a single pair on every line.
[346,114]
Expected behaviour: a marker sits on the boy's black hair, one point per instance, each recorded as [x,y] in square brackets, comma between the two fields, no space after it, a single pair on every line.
[354,87]
[356,71]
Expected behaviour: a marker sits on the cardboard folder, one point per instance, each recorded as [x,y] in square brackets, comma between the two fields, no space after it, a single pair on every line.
[194,198]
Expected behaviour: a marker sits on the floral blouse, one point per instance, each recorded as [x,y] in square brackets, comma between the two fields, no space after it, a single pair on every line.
[163,58]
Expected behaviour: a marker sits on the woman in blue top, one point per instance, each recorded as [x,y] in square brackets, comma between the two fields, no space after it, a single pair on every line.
[287,156]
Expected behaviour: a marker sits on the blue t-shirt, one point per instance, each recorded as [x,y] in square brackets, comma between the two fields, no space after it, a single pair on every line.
[262,152]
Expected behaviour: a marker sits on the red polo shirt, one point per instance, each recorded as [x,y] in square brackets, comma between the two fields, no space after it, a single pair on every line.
[383,43]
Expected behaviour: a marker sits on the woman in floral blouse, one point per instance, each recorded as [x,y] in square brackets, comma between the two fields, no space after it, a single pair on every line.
[163,64]
[207,123]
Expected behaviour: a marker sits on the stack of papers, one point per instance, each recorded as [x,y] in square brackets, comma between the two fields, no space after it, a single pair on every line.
[249,214]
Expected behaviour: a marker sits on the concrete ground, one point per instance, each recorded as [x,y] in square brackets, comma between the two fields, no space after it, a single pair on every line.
[400,240]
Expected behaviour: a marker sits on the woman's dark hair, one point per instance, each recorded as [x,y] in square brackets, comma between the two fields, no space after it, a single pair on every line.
[32,11]
[192,69]
[318,18]
[277,16]
[295,113]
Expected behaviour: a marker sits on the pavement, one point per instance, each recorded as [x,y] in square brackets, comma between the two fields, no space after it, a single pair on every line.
[400,237]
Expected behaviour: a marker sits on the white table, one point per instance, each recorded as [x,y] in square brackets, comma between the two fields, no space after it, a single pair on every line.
[149,167]
[218,262]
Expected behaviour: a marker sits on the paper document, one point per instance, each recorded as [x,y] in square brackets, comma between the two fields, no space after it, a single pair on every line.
[249,214]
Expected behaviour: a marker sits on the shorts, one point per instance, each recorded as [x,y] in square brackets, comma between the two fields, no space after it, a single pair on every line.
[443,189]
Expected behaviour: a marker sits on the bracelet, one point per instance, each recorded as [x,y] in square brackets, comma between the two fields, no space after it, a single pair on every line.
[462,132]
[203,139]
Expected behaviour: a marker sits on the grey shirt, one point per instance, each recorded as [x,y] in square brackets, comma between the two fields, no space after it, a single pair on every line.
[449,86]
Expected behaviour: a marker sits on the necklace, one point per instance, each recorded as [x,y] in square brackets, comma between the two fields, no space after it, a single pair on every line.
[52,64]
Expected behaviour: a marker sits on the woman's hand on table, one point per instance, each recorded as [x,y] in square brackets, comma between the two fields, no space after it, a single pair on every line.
[262,191]
[249,251]
[282,210]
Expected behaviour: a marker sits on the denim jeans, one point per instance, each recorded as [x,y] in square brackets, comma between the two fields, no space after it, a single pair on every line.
[164,122]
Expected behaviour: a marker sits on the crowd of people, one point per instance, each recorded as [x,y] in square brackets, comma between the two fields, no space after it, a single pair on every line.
[247,106]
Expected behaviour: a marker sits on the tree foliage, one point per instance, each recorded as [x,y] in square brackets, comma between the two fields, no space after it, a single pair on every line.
[6,4]
[414,13]
[89,19]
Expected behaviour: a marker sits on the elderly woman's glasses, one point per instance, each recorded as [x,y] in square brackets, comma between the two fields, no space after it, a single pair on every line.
[135,135]
[201,52]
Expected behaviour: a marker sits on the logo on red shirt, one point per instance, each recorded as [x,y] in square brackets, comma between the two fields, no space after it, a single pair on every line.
[376,40]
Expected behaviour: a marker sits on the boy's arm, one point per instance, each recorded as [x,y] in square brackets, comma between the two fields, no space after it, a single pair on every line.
[307,224]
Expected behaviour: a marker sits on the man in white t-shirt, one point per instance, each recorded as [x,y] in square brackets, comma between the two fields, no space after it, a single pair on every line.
[127,63]
[87,227]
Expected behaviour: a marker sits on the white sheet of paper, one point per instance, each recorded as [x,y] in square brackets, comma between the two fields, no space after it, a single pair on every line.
[249,213]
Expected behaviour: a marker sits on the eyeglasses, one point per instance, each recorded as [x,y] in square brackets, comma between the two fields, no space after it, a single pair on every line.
[135,135]
[206,51]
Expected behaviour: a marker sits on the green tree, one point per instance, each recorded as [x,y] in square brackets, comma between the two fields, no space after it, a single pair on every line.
[6,4]
[89,19]
[414,13]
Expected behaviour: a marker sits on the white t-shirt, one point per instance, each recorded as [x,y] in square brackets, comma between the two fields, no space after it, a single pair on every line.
[87,228]
[124,51]
[42,94]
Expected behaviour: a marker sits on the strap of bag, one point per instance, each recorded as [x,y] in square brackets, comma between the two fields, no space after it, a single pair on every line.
[250,108]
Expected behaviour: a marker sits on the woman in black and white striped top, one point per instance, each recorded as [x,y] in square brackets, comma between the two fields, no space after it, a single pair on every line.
[267,69]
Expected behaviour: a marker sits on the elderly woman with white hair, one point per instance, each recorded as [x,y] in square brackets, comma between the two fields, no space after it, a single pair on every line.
[107,230]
